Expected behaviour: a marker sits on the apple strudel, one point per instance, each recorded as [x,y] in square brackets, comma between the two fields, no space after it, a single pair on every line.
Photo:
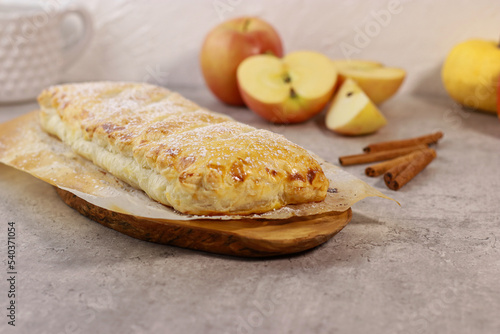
[184,156]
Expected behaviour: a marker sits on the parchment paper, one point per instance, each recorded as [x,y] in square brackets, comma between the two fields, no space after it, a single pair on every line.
[25,146]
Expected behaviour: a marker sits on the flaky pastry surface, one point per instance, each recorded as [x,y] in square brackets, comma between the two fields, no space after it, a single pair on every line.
[184,156]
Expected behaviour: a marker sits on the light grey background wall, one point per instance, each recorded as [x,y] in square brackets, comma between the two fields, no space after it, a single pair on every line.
[159,41]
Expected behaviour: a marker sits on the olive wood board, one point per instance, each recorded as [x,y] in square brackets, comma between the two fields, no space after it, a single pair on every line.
[239,237]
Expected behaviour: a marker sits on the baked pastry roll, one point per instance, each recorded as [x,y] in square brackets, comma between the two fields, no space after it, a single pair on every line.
[184,156]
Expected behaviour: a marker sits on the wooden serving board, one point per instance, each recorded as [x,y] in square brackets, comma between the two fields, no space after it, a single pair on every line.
[241,237]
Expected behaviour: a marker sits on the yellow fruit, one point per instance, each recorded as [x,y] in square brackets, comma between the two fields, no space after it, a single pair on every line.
[471,72]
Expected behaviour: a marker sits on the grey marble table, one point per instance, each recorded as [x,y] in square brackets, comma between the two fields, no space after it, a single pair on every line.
[429,266]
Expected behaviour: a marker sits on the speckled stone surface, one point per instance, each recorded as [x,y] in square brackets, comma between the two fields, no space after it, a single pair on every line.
[431,266]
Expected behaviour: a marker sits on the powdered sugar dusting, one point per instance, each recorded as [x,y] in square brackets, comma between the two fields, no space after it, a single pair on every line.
[210,163]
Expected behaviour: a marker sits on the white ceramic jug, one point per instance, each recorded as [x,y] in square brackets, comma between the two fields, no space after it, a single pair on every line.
[33,52]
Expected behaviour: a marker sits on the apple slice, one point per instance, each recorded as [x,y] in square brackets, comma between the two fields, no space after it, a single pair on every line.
[377,81]
[352,112]
[346,64]
[288,90]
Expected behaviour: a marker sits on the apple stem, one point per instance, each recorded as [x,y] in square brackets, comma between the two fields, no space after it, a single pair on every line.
[246,24]
[292,93]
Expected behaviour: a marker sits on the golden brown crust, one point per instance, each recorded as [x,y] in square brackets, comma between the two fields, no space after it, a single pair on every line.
[184,156]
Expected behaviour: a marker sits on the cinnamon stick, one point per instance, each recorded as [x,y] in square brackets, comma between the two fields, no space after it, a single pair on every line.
[378,156]
[382,167]
[394,171]
[400,178]
[394,144]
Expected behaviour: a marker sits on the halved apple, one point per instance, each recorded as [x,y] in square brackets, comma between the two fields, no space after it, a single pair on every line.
[287,90]
[352,112]
[377,81]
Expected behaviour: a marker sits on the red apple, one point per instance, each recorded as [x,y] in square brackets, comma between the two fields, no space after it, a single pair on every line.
[227,45]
